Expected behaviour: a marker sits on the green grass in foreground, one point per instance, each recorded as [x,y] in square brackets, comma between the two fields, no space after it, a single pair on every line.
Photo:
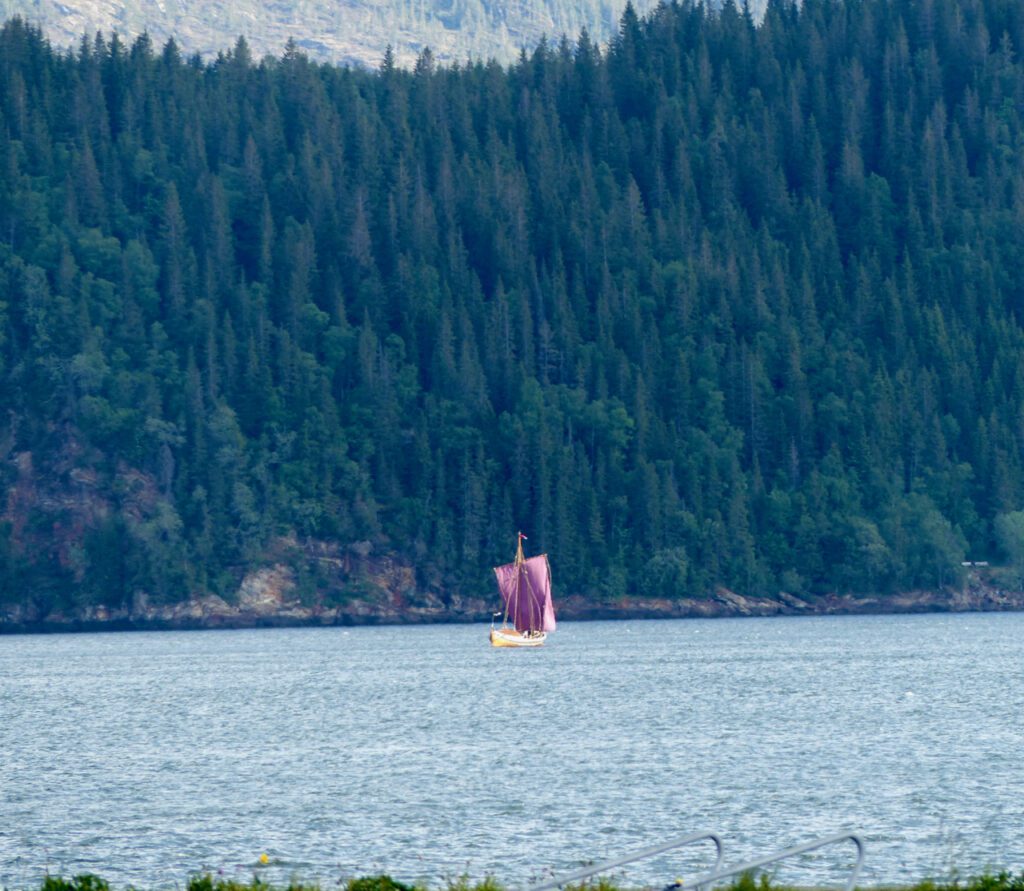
[1002,881]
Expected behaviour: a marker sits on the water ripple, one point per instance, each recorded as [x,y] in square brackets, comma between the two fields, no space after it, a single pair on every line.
[423,752]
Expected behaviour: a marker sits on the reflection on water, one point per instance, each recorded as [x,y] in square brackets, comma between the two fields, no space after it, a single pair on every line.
[425,753]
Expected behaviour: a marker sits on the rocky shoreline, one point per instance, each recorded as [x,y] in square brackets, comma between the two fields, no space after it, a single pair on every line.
[268,597]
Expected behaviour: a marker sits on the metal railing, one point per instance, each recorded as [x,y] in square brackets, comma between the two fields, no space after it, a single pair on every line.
[716,874]
[608,865]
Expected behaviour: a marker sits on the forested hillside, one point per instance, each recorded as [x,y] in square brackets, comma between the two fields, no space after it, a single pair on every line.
[725,304]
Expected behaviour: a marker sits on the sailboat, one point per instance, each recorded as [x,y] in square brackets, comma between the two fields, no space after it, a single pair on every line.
[525,587]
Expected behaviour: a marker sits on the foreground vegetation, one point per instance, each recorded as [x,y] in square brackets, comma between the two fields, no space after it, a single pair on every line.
[1003,881]
[723,303]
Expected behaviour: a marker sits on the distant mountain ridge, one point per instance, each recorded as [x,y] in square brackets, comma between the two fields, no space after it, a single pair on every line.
[347,32]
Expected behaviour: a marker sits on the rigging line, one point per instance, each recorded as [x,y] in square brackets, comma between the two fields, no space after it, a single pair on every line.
[504,622]
[519,587]
[518,563]
[520,571]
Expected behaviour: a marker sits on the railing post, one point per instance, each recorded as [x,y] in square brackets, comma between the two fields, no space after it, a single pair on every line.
[589,871]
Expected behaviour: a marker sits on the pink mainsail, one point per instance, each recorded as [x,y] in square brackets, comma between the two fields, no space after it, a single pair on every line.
[526,589]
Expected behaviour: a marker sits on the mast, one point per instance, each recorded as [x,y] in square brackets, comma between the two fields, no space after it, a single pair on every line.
[521,572]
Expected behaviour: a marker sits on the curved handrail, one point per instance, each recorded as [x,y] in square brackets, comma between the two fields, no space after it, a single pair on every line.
[630,858]
[715,875]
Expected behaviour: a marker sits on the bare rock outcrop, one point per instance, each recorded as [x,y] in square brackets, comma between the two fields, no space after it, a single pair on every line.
[380,590]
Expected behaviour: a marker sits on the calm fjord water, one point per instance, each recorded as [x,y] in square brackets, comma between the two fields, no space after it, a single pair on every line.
[424,753]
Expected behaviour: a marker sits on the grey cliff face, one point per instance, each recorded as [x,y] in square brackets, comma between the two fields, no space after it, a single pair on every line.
[354,32]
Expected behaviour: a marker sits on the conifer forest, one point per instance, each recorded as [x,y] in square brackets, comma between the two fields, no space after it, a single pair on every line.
[727,302]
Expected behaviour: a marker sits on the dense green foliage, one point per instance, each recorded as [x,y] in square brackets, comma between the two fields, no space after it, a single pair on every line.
[1003,881]
[84,882]
[724,303]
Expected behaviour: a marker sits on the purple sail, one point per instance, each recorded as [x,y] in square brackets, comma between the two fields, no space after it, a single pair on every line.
[526,589]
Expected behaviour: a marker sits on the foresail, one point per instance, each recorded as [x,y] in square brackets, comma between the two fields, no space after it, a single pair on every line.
[507,576]
[515,593]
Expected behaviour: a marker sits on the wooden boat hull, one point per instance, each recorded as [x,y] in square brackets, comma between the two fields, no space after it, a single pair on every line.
[509,637]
